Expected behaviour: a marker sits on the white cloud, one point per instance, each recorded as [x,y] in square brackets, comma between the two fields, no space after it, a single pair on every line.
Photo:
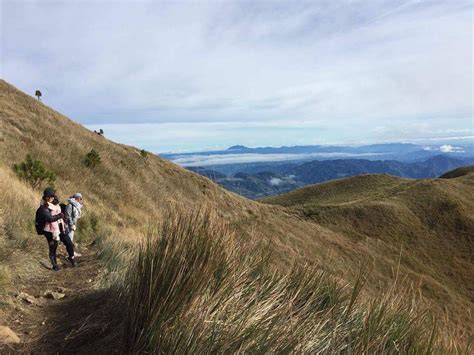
[357,64]
[275,181]
[217,159]
[447,148]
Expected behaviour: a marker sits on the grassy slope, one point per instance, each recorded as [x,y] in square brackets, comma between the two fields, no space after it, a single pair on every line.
[126,189]
[462,171]
[129,192]
[432,219]
[126,193]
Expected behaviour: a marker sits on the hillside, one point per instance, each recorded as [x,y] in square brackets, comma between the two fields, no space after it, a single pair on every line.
[462,171]
[258,180]
[127,195]
[319,171]
[126,187]
[252,186]
[431,220]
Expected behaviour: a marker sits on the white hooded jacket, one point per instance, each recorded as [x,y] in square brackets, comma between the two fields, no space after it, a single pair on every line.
[73,212]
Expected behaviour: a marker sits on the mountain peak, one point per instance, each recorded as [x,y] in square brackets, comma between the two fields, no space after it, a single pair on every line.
[237,147]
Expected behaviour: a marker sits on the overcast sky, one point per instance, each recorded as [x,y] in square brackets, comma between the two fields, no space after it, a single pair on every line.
[181,75]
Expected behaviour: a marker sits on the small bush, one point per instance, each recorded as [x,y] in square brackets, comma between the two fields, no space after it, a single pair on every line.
[92,159]
[34,172]
[143,153]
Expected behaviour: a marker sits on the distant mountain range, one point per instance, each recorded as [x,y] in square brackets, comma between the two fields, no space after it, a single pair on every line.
[301,149]
[225,160]
[265,179]
[253,186]
[319,171]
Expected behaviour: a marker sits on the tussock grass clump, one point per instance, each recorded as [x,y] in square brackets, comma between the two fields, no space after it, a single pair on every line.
[192,289]
[16,216]
[5,279]
[89,228]
[17,235]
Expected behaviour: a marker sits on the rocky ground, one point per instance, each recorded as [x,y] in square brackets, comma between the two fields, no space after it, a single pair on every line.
[44,312]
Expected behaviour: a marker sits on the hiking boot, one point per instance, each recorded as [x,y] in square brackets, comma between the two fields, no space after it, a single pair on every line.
[54,262]
[72,261]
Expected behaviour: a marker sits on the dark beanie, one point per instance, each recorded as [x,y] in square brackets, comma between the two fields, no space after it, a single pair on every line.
[49,192]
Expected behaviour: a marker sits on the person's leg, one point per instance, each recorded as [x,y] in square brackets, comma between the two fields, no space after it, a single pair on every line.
[71,235]
[53,246]
[69,247]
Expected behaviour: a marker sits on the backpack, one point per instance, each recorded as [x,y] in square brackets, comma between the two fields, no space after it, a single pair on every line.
[63,208]
[39,222]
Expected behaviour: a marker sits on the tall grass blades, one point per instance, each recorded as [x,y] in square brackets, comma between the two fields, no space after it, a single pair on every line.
[170,271]
[193,290]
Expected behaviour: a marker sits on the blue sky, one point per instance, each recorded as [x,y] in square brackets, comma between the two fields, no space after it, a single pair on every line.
[194,75]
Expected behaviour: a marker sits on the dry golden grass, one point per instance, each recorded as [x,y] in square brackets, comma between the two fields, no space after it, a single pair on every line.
[129,189]
[431,220]
[127,193]
[194,289]
[462,171]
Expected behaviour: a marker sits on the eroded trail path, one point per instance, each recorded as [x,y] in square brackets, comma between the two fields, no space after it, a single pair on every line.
[52,313]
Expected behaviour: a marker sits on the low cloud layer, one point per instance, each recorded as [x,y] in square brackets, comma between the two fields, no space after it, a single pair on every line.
[275,181]
[210,160]
[380,69]
[447,148]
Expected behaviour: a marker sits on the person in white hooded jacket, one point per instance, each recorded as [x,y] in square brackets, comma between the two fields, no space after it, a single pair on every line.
[73,213]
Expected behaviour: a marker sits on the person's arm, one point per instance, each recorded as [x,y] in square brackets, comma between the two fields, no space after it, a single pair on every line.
[47,217]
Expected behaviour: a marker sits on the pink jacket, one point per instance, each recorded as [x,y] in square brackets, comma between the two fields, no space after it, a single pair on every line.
[53,227]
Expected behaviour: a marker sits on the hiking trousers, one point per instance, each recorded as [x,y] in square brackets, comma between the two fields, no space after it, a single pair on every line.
[71,235]
[53,245]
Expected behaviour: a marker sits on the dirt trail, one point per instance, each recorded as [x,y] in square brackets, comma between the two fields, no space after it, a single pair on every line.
[47,325]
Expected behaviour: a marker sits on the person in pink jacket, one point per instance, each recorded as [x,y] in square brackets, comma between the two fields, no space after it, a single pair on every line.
[55,229]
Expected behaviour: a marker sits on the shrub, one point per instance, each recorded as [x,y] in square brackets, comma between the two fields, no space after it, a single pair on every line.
[143,153]
[34,172]
[92,159]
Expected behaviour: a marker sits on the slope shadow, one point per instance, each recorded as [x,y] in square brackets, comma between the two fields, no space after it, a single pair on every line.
[84,324]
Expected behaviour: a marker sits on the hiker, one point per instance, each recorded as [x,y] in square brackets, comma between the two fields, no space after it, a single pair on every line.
[47,217]
[62,233]
[73,213]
